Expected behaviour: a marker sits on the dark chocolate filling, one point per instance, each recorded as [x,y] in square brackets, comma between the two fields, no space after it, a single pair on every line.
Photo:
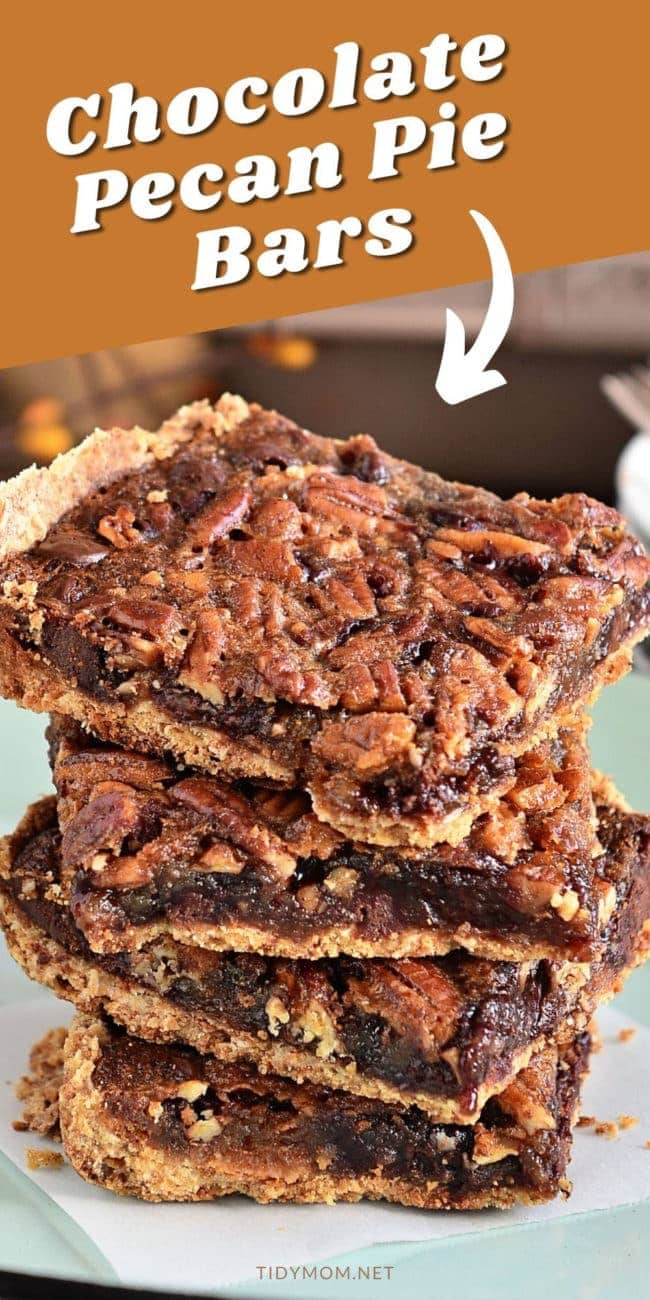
[300,1125]
[416,895]
[501,1014]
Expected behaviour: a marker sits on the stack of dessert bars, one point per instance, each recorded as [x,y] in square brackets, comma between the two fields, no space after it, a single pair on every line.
[327,874]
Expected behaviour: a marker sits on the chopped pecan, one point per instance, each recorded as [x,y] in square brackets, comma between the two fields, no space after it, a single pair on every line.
[221,858]
[118,528]
[232,817]
[191,1089]
[532,795]
[130,870]
[342,882]
[205,651]
[358,688]
[566,903]
[149,631]
[389,693]
[567,830]
[221,515]
[527,1098]
[345,503]
[503,833]
[314,1024]
[348,596]
[537,882]
[151,617]
[480,593]
[491,1145]
[102,824]
[263,557]
[367,743]
[489,629]
[153,579]
[310,898]
[311,838]
[82,769]
[204,1130]
[606,903]
[278,518]
[421,1004]
[501,545]
[289,676]
[276,1014]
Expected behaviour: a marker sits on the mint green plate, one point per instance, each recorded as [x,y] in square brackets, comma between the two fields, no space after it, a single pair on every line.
[599,1256]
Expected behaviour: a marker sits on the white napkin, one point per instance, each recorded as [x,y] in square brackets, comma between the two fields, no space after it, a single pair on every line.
[200,1248]
[633,485]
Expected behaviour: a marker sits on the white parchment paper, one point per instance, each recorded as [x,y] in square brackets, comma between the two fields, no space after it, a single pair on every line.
[199,1248]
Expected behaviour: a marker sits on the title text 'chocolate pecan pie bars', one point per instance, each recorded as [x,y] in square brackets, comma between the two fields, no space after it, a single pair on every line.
[443,1033]
[261,602]
[167,1124]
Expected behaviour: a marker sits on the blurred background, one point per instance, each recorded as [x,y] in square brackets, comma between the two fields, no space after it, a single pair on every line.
[372,368]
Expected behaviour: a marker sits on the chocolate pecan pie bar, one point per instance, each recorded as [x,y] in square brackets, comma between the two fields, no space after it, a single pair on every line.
[151,851]
[262,602]
[167,1124]
[442,1033]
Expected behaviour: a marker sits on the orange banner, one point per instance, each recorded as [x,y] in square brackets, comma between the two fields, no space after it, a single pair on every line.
[170,170]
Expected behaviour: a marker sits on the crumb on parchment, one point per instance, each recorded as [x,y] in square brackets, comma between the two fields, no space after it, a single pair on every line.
[628,1121]
[626,1035]
[39,1090]
[607,1128]
[36,1158]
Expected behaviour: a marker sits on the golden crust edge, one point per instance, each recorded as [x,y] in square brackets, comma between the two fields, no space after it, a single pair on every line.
[37,498]
[29,680]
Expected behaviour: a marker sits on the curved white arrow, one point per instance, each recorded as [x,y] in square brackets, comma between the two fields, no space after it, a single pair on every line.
[462,374]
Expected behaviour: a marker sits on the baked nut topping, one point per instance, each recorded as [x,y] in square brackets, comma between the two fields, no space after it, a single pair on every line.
[320,613]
